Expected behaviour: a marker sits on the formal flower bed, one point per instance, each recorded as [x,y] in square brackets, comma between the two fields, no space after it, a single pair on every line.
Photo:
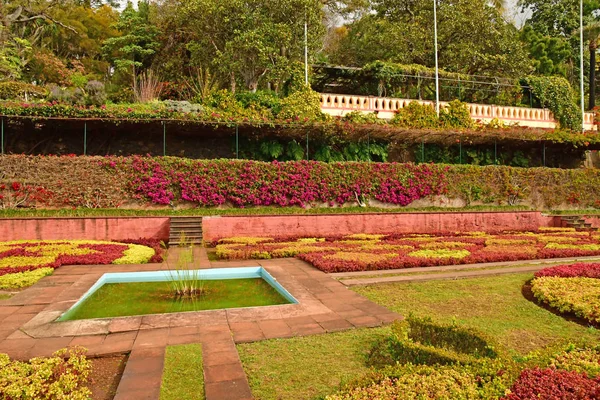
[572,289]
[377,252]
[22,263]
[62,376]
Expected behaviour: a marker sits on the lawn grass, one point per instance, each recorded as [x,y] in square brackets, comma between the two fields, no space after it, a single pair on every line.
[116,212]
[494,305]
[4,296]
[183,377]
[142,298]
[313,366]
[306,367]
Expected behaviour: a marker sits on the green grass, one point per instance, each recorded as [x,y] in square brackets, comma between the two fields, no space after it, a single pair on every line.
[4,296]
[494,305]
[306,367]
[183,376]
[114,212]
[313,366]
[142,298]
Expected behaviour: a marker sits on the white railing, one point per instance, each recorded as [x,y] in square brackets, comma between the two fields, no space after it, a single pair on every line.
[386,108]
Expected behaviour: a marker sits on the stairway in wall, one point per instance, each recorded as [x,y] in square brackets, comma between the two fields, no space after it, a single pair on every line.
[577,222]
[191,227]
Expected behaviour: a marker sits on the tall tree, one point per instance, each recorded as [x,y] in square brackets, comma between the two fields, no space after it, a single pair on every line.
[250,39]
[592,34]
[135,49]
[473,37]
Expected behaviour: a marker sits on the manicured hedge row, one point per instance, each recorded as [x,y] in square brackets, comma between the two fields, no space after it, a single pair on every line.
[108,182]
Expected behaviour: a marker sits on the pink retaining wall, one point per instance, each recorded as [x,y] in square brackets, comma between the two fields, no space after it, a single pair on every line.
[344,224]
[84,228]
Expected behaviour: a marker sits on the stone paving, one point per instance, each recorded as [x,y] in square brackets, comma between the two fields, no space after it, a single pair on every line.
[27,327]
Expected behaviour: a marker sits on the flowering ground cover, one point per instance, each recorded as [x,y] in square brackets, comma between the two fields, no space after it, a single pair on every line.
[572,289]
[23,263]
[363,252]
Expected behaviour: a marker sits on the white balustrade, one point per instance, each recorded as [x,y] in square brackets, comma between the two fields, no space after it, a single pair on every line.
[386,108]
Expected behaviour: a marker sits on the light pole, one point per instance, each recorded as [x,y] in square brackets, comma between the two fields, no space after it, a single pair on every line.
[581,63]
[306,47]
[437,74]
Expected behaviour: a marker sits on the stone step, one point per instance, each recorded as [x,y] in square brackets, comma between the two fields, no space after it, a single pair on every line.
[186,219]
[190,230]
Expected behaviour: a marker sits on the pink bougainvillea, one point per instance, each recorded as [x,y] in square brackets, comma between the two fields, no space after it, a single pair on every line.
[249,183]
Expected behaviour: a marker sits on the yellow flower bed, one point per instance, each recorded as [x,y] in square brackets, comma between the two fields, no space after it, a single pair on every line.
[364,236]
[292,251]
[445,245]
[249,240]
[361,257]
[23,279]
[135,254]
[580,296]
[440,253]
[510,249]
[564,246]
[556,229]
[508,242]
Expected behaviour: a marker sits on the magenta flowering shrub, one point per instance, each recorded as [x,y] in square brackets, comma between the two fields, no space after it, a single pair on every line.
[249,183]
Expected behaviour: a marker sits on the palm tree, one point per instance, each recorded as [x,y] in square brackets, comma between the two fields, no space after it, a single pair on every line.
[591,32]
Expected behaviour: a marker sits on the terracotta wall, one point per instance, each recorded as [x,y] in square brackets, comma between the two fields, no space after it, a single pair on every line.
[593,219]
[84,228]
[326,225]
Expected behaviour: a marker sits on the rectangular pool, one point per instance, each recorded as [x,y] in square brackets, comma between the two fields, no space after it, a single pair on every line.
[143,293]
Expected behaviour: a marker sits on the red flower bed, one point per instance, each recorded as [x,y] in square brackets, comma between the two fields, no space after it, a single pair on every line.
[591,270]
[552,384]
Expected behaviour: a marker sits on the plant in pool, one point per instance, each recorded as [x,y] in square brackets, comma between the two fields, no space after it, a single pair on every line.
[186,281]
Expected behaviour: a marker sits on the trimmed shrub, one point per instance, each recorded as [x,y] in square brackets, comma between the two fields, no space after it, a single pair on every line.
[416,115]
[421,341]
[303,105]
[554,384]
[581,360]
[422,382]
[579,296]
[61,376]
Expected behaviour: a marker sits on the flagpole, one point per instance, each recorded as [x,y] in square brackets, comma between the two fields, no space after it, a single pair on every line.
[581,64]
[437,73]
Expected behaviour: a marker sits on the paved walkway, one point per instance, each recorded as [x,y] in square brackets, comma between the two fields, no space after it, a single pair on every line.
[453,271]
[27,327]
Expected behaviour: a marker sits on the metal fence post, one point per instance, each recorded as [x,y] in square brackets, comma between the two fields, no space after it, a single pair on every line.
[544,153]
[2,136]
[495,152]
[307,147]
[85,138]
[369,145]
[460,151]
[164,124]
[237,142]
